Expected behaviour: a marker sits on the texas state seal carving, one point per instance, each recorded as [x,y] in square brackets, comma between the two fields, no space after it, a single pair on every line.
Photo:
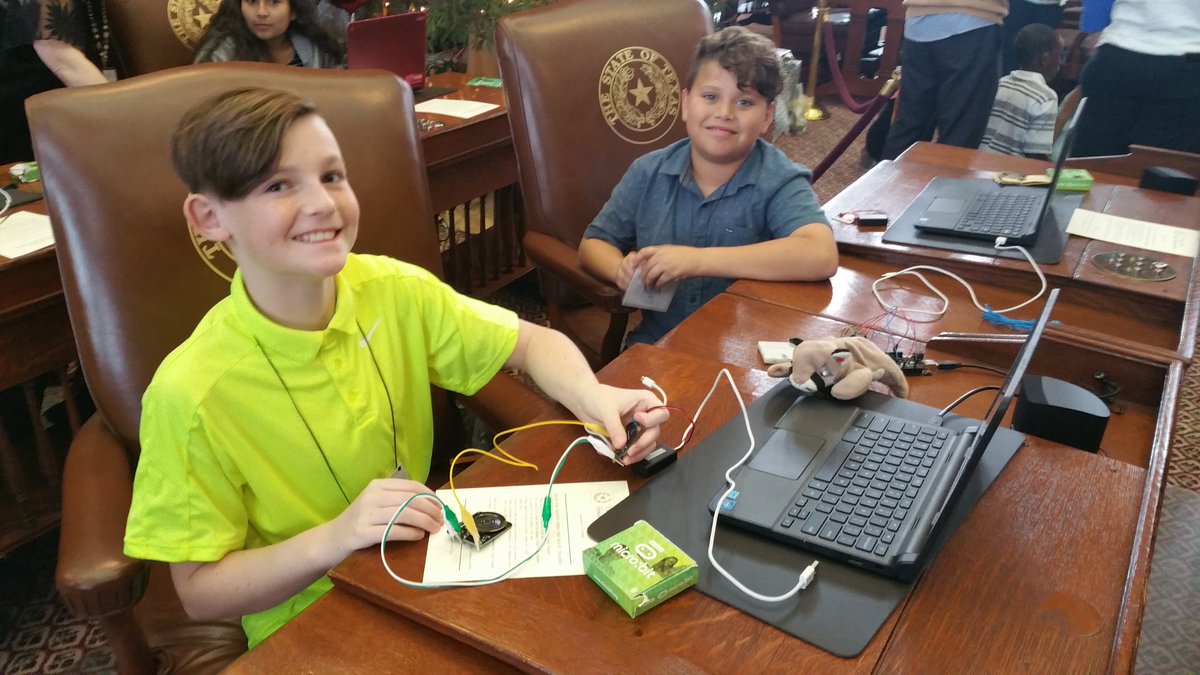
[189,19]
[215,255]
[639,94]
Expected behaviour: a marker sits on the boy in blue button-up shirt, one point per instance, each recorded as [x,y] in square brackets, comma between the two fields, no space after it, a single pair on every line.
[720,205]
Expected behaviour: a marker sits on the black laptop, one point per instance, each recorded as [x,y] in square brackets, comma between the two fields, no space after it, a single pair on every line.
[983,209]
[861,486]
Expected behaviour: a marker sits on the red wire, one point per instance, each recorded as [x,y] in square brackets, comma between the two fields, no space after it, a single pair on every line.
[687,436]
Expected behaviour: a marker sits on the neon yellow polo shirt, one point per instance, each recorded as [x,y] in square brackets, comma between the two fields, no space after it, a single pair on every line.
[227,462]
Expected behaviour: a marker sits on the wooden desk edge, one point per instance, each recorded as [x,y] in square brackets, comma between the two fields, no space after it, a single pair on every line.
[1133,596]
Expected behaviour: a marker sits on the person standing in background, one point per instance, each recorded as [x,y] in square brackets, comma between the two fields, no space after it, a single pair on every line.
[1143,84]
[951,65]
[1023,13]
[45,44]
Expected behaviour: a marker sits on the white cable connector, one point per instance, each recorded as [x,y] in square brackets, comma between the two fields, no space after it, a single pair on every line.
[807,576]
[651,384]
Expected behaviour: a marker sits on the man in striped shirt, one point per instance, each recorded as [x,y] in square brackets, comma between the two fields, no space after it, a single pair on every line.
[1022,119]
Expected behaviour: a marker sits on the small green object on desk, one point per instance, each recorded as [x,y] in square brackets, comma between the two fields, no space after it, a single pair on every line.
[484,82]
[639,568]
[1075,180]
[26,172]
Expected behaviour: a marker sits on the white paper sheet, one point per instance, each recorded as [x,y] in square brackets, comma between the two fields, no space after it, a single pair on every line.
[574,507]
[24,232]
[1136,233]
[454,108]
[654,299]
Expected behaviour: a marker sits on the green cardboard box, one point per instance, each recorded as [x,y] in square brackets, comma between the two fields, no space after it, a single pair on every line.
[1076,180]
[639,568]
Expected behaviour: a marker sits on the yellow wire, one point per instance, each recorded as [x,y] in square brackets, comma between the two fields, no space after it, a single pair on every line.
[468,520]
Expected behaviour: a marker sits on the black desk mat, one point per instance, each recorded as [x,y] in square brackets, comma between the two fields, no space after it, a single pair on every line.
[1047,249]
[20,197]
[845,605]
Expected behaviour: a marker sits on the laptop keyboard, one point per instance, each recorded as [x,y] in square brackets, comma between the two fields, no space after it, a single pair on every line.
[865,490]
[1000,215]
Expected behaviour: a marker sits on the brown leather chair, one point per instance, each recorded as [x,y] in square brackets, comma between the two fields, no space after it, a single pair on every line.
[576,127]
[152,35]
[136,284]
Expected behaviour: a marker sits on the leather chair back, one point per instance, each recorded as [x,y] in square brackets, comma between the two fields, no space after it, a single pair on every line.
[136,281]
[152,35]
[592,85]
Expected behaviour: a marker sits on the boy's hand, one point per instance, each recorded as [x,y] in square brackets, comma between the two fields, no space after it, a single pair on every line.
[363,522]
[625,270]
[663,264]
[610,405]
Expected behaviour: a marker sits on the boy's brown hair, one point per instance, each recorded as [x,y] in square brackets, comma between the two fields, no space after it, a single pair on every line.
[750,56]
[230,143]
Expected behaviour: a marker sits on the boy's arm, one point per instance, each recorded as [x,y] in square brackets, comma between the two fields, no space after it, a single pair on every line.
[252,580]
[808,254]
[605,261]
[558,367]
[614,231]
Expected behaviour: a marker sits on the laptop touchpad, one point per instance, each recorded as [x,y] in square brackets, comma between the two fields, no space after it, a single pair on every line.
[945,205]
[786,454]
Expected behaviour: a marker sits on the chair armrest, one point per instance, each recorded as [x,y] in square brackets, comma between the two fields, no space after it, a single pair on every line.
[94,577]
[506,402]
[562,261]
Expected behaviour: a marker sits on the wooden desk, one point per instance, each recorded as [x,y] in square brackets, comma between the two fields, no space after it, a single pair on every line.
[892,186]
[467,160]
[35,338]
[1002,594]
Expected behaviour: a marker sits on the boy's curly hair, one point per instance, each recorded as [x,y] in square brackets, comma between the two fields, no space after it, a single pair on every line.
[750,56]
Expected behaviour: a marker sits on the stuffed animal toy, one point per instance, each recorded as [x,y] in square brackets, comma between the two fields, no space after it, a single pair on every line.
[842,367]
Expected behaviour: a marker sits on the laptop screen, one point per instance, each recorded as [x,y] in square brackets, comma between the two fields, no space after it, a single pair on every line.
[1064,151]
[1000,404]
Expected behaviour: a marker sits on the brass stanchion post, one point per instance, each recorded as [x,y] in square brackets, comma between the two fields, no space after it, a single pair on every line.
[814,111]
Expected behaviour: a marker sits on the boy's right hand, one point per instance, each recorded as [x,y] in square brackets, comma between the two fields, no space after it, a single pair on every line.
[626,269]
[363,522]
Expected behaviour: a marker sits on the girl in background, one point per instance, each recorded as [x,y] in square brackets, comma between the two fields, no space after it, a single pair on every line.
[270,31]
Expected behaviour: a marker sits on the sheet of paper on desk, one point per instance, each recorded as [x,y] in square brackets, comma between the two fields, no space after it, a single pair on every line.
[1136,233]
[24,232]
[454,108]
[575,506]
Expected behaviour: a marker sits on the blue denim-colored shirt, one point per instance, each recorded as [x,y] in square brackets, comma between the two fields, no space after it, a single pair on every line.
[658,202]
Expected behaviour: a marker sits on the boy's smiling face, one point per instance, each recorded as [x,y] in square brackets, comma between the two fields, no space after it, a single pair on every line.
[300,223]
[722,120]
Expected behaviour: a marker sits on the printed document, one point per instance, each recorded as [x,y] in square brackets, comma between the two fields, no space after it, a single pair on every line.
[574,507]
[454,108]
[1136,233]
[24,232]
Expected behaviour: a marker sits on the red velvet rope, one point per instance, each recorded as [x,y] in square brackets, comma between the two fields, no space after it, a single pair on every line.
[870,110]
[838,81]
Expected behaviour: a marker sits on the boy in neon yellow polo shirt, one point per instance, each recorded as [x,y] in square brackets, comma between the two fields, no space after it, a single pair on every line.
[270,436]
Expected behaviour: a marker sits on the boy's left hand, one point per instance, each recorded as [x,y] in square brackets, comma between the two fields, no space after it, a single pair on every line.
[663,264]
[608,406]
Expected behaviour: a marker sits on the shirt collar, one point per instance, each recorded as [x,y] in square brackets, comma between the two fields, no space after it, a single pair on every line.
[679,163]
[301,345]
[1029,76]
